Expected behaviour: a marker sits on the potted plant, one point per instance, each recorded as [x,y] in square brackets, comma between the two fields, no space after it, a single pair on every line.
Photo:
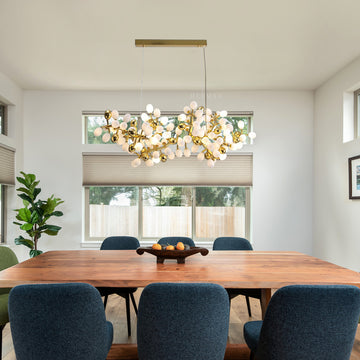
[34,215]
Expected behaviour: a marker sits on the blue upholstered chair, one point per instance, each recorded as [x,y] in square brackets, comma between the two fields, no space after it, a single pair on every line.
[306,322]
[182,322]
[7,259]
[120,243]
[59,322]
[237,243]
[173,240]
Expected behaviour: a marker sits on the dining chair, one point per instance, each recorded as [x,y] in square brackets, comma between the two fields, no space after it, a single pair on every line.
[120,243]
[173,240]
[306,322]
[180,321]
[59,322]
[7,259]
[237,243]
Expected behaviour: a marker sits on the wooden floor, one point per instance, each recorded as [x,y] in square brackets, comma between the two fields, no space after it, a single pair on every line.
[115,312]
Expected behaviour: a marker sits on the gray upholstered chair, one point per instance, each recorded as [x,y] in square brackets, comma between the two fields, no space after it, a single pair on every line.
[59,322]
[7,259]
[237,243]
[120,243]
[173,240]
[306,322]
[183,322]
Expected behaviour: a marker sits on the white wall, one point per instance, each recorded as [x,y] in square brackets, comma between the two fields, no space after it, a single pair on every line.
[336,218]
[12,95]
[282,195]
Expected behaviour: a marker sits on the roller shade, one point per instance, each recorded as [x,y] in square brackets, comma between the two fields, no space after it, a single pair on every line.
[116,170]
[7,165]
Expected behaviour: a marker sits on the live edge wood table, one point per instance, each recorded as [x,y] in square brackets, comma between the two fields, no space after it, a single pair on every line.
[231,269]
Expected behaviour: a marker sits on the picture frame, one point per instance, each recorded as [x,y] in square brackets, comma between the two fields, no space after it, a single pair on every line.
[354,177]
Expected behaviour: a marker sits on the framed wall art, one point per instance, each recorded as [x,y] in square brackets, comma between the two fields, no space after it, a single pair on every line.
[354,177]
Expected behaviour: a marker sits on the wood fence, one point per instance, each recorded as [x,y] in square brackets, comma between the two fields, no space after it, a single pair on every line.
[210,222]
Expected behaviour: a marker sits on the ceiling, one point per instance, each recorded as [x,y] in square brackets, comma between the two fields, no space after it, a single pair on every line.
[252,44]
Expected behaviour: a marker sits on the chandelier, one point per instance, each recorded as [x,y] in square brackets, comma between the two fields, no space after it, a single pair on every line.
[154,139]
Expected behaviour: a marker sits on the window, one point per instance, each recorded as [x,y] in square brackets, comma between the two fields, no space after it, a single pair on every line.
[3,119]
[93,120]
[151,212]
[2,213]
[357,113]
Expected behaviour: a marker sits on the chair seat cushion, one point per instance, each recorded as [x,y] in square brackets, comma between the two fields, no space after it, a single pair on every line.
[4,315]
[110,332]
[252,334]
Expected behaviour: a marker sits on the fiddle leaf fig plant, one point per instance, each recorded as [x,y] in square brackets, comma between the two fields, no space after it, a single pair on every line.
[33,217]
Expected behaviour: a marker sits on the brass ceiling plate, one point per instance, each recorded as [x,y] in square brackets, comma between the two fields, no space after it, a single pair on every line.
[169,43]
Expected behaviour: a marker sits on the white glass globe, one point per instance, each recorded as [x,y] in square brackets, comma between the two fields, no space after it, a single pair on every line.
[210,163]
[181,142]
[149,163]
[159,129]
[186,109]
[241,124]
[121,140]
[167,135]
[139,146]
[243,138]
[164,120]
[98,131]
[179,153]
[127,117]
[223,156]
[171,156]
[208,111]
[178,131]
[201,156]
[115,124]
[156,154]
[145,117]
[223,113]
[252,135]
[199,113]
[168,151]
[115,114]
[193,105]
[187,139]
[149,108]
[216,153]
[187,152]
[156,161]
[182,117]
[157,112]
[136,162]
[125,147]
[106,137]
[195,148]
[170,127]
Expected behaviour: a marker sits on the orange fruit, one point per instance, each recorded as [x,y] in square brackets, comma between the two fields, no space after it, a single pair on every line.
[170,247]
[156,246]
[180,246]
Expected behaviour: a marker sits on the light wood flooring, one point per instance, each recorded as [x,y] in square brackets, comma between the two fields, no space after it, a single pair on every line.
[115,312]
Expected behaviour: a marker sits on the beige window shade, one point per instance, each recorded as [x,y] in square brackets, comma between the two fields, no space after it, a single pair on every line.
[7,166]
[115,170]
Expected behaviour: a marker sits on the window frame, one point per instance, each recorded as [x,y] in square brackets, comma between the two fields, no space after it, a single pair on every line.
[356,113]
[4,119]
[150,240]
[3,212]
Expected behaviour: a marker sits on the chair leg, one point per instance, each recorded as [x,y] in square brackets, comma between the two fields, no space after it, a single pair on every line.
[248,305]
[105,301]
[128,314]
[134,303]
[1,330]
[252,356]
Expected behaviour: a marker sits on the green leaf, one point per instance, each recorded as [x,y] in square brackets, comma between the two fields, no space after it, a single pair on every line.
[22,181]
[26,203]
[26,191]
[52,228]
[25,197]
[26,226]
[21,241]
[16,223]
[34,217]
[57,213]
[30,178]
[51,233]
[24,214]
[34,253]
[36,192]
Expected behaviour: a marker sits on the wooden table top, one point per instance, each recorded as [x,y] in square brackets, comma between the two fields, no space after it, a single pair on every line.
[125,268]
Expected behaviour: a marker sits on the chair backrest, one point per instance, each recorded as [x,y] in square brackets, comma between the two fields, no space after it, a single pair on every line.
[231,243]
[310,322]
[7,258]
[183,322]
[173,240]
[120,243]
[58,321]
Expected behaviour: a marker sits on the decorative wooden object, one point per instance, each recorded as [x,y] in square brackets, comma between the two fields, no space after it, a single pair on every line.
[179,255]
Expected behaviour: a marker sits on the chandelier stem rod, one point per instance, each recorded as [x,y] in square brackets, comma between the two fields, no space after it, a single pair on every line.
[205,90]
[142,78]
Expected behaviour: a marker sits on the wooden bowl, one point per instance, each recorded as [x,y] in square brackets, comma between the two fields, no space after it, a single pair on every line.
[179,255]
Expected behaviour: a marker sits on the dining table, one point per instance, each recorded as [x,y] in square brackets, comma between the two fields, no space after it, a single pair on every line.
[265,270]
